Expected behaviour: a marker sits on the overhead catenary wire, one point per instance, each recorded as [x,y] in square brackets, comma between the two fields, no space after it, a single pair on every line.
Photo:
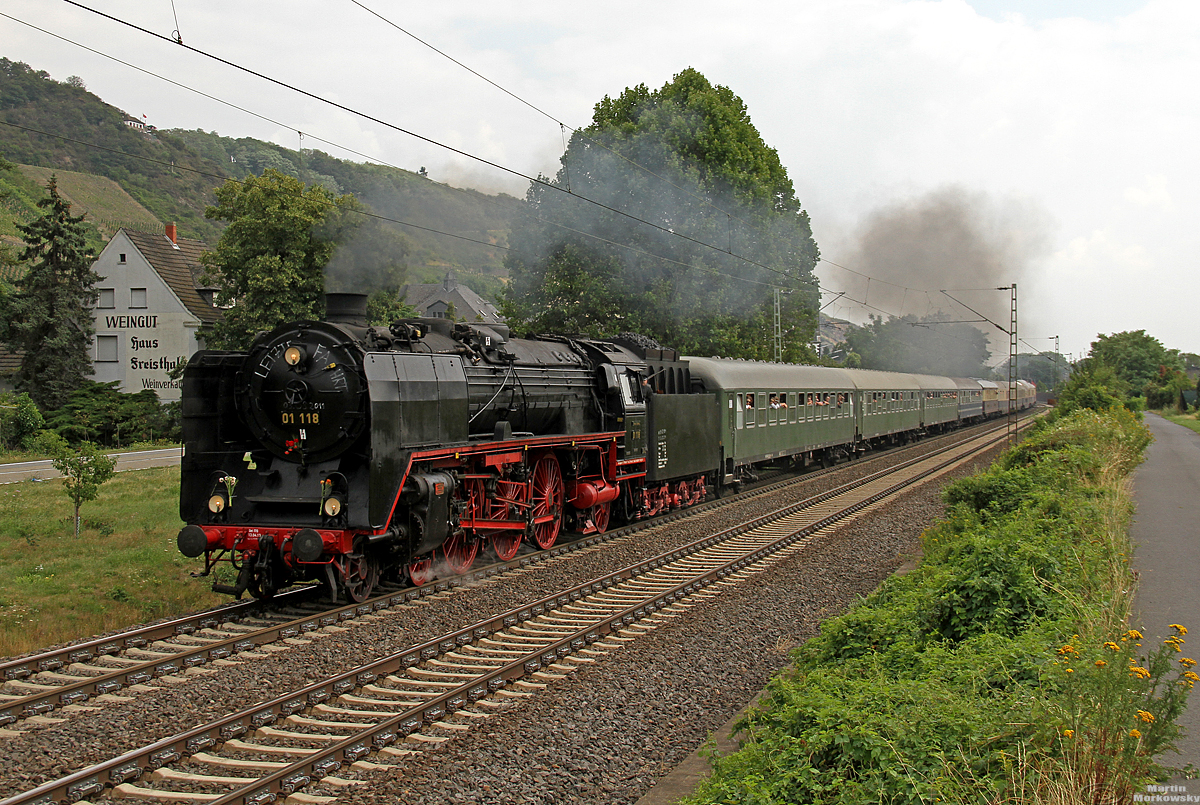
[537,180]
[380,161]
[512,171]
[371,214]
[431,141]
[563,126]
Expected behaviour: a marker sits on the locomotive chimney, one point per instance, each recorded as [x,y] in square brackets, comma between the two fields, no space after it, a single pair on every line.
[172,234]
[346,308]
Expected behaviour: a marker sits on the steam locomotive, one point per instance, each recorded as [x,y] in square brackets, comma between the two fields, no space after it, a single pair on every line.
[339,452]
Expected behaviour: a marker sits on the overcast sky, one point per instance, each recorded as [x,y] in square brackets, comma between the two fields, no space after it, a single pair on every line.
[1058,138]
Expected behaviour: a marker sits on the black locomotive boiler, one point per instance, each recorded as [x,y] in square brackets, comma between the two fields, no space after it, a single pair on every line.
[340,452]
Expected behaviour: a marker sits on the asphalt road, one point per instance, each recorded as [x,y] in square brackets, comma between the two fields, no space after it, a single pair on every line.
[43,470]
[1166,532]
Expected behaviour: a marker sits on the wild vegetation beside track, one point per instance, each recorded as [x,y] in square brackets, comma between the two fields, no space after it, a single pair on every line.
[124,568]
[1003,669]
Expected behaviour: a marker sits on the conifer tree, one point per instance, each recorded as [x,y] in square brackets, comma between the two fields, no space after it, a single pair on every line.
[48,318]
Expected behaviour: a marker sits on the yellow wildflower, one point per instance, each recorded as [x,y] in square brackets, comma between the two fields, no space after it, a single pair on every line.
[1178,627]
[1139,672]
[1146,716]
[1191,675]
[1070,670]
[1134,734]
[1187,662]
[1111,645]
[1134,634]
[1068,733]
[1067,650]
[1100,663]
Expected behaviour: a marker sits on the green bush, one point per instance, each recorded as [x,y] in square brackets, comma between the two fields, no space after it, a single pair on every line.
[1001,669]
[20,420]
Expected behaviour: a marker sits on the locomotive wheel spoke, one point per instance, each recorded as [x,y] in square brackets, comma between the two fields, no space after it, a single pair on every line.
[460,550]
[361,575]
[546,493]
[506,544]
[600,514]
[421,571]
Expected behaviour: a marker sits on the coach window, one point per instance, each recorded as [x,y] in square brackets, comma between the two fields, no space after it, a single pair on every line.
[137,297]
[792,406]
[740,405]
[761,400]
[106,349]
[107,298]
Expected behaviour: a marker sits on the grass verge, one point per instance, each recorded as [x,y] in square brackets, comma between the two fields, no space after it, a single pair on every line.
[1187,420]
[123,569]
[1003,669]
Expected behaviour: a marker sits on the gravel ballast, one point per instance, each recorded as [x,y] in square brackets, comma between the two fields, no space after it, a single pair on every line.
[603,734]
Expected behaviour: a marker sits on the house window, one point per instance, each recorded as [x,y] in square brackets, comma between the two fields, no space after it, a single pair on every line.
[106,349]
[137,297]
[121,258]
[108,298]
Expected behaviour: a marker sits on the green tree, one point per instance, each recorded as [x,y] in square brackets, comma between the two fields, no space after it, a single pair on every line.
[84,471]
[704,177]
[1134,356]
[269,262]
[1166,390]
[48,317]
[1092,384]
[7,258]
[386,306]
[99,412]
[927,345]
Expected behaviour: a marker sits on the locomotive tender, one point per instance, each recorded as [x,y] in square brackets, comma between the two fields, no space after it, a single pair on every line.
[340,452]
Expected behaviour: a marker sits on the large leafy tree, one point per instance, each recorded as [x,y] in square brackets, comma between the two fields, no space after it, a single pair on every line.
[269,262]
[48,316]
[725,229]
[1135,356]
[928,345]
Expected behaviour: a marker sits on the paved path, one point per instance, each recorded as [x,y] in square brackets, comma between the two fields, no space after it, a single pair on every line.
[137,460]
[1166,532]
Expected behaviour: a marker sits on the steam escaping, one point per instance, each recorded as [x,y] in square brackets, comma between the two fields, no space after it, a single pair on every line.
[950,238]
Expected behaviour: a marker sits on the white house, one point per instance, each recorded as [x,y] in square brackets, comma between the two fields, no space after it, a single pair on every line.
[150,309]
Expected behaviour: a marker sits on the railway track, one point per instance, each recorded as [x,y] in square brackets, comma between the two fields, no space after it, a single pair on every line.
[111,668]
[320,736]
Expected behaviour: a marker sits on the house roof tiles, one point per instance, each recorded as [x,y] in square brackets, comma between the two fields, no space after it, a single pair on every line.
[179,266]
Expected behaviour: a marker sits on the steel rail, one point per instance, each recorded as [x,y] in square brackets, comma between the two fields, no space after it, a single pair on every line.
[52,698]
[323,762]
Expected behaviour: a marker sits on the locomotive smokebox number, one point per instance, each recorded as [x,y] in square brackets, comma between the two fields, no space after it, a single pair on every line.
[300,418]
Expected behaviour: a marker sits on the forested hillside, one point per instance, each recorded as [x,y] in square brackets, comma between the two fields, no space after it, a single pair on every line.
[172,173]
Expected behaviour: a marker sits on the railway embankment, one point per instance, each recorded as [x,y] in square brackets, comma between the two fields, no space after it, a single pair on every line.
[1004,668]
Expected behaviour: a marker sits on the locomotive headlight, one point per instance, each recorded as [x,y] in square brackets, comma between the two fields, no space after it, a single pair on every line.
[293,356]
[333,506]
[216,504]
